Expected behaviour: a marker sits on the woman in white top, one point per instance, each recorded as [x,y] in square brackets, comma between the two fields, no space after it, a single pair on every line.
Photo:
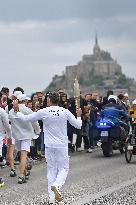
[23,132]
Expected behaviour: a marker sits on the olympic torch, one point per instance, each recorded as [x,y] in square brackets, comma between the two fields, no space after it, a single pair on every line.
[77,93]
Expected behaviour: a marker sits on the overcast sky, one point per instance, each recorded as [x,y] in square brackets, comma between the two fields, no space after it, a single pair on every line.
[38,38]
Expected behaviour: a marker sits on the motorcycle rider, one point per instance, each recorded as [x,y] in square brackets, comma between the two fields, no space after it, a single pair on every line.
[115,112]
[105,99]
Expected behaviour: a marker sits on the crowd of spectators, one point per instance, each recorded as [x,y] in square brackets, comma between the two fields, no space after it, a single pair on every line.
[90,103]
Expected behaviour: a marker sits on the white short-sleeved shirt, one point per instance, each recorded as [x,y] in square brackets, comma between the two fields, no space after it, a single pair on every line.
[22,130]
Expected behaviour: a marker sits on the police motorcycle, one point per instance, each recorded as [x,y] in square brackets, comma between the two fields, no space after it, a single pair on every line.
[110,136]
[130,145]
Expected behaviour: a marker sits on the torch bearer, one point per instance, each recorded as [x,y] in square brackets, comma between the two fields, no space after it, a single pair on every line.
[77,93]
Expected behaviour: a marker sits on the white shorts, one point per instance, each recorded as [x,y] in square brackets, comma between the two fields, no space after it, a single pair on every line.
[23,145]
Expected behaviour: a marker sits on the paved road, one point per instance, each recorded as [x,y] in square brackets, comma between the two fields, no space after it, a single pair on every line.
[92,180]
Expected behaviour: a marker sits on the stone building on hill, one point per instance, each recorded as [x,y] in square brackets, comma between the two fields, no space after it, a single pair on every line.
[100,63]
[97,71]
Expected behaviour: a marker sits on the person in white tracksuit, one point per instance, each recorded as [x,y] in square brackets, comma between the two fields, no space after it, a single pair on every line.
[4,127]
[56,141]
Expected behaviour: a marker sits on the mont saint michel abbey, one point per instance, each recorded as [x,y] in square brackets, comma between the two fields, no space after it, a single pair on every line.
[97,71]
[99,63]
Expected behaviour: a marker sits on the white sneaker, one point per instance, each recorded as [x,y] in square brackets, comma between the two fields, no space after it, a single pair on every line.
[61,203]
[2,184]
[89,150]
[58,196]
[51,202]
[79,149]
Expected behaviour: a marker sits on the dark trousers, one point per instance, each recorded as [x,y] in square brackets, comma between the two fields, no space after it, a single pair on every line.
[91,136]
[79,138]
[70,132]
[38,142]
[86,142]
[4,151]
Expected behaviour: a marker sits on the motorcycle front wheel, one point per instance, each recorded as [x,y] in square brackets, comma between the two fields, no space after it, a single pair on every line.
[128,154]
[107,149]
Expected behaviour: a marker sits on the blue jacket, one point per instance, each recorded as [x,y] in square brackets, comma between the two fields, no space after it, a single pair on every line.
[114,112]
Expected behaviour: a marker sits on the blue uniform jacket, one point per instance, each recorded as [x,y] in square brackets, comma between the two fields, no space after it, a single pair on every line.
[114,112]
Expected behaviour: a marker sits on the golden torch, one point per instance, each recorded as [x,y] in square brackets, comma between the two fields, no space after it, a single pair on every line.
[77,93]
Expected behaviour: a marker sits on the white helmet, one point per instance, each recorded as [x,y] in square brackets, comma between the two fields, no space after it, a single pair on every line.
[16,93]
[112,97]
[21,97]
[126,95]
[134,102]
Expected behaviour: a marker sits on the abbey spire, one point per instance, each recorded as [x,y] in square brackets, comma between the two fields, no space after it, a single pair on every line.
[96,49]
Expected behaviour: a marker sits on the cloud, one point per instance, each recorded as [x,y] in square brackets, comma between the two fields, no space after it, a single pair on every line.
[27,58]
[32,51]
[16,10]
